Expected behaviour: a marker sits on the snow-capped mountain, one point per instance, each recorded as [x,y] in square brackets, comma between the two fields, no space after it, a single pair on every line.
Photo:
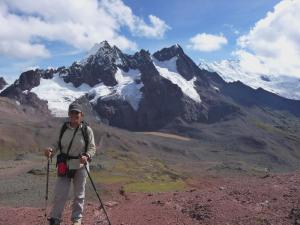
[125,85]
[231,70]
[140,91]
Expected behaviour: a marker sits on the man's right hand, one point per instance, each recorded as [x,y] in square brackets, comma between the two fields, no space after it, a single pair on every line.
[48,152]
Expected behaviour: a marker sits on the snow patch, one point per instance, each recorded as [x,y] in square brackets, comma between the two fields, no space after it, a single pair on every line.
[59,94]
[29,68]
[216,88]
[168,70]
[128,88]
[4,87]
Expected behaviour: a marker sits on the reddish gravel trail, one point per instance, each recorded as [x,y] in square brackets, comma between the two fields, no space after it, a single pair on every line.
[229,201]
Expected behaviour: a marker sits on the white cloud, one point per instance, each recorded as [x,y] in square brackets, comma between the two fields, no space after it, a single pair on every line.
[157,29]
[19,49]
[207,42]
[272,45]
[25,24]
[137,26]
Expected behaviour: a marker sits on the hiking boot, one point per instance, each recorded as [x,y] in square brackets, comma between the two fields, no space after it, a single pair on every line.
[76,221]
[54,221]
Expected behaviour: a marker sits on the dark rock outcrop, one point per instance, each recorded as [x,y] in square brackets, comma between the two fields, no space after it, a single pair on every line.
[98,67]
[118,112]
[20,89]
[247,96]
[2,83]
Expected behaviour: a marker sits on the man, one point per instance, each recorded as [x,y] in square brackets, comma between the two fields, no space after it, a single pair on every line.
[79,148]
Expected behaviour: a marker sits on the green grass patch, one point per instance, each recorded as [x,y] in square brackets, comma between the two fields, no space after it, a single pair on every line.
[138,173]
[107,178]
[265,126]
[270,128]
[155,186]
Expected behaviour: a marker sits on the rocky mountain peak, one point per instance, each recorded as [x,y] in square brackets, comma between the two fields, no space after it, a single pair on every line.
[103,53]
[20,90]
[3,83]
[98,47]
[168,53]
[185,65]
[28,80]
[98,52]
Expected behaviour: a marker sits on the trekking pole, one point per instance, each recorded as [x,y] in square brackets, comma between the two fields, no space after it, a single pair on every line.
[102,205]
[47,185]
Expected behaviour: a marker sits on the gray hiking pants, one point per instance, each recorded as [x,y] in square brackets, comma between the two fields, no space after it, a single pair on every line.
[61,193]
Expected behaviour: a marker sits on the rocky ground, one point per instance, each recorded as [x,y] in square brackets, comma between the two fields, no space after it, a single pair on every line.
[261,199]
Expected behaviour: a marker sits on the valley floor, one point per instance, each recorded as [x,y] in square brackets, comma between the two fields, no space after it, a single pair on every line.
[231,200]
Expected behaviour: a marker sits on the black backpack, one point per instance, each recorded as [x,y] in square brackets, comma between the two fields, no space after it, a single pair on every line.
[83,131]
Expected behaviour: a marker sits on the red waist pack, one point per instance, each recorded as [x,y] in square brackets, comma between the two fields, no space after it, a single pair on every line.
[61,164]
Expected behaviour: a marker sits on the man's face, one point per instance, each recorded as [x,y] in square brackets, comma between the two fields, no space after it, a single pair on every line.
[75,117]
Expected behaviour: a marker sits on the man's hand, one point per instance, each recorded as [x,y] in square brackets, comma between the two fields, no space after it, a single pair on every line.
[84,159]
[48,152]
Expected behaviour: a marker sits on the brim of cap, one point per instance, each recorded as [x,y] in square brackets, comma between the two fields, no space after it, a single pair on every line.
[76,110]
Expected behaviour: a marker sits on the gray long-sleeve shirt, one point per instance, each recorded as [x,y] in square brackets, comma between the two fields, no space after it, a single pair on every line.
[78,145]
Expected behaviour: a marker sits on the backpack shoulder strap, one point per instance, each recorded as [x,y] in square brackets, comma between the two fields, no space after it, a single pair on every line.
[62,131]
[85,134]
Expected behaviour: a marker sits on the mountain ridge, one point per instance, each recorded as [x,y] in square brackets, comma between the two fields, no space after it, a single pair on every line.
[231,71]
[141,91]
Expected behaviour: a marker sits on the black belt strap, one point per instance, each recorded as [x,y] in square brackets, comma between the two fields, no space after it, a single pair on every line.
[73,157]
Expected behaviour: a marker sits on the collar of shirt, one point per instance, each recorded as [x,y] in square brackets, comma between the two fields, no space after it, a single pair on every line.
[73,128]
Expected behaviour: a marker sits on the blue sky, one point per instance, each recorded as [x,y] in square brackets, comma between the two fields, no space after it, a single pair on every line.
[178,22]
[189,17]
